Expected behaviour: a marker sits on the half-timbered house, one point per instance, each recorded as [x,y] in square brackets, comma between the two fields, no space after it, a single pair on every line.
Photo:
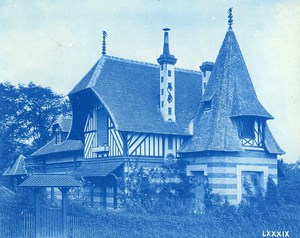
[126,110]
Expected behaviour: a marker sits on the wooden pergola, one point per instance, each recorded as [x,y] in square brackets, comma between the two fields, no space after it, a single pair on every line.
[61,181]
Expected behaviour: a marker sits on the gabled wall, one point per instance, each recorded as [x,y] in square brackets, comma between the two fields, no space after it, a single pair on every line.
[101,139]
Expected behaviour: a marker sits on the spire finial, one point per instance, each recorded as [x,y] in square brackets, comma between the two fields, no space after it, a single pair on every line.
[230,21]
[104,35]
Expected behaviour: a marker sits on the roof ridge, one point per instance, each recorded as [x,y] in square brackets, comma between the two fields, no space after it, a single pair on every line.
[45,174]
[96,73]
[149,64]
[187,70]
[131,61]
[17,165]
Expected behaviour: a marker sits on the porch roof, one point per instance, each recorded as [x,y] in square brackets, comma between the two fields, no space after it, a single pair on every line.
[50,180]
[97,169]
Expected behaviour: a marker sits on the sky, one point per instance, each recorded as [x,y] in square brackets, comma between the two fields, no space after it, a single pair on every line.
[55,43]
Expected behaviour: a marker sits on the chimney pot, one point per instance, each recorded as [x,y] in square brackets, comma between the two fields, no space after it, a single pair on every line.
[207,66]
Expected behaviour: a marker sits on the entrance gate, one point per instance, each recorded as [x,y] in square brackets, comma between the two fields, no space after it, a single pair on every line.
[43,223]
[51,222]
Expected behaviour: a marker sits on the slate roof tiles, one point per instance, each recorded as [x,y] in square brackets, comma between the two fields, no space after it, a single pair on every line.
[230,94]
[50,180]
[130,92]
[65,146]
[18,168]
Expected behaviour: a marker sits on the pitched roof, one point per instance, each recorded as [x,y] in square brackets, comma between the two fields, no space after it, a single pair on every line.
[231,94]
[130,92]
[97,169]
[18,168]
[50,180]
[64,123]
[66,146]
[6,192]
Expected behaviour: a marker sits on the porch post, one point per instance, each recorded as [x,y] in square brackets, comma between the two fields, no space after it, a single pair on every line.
[115,196]
[64,211]
[37,213]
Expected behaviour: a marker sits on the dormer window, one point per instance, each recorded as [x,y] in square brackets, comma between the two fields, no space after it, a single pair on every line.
[207,105]
[58,136]
[247,128]
[251,131]
[207,101]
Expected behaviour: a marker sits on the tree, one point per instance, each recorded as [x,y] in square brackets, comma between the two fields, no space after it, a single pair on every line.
[289,182]
[9,146]
[26,115]
[38,109]
[272,195]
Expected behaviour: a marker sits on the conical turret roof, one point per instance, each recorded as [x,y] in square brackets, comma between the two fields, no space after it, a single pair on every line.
[229,94]
[231,84]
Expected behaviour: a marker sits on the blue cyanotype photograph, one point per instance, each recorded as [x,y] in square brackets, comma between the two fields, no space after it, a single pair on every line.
[149,119]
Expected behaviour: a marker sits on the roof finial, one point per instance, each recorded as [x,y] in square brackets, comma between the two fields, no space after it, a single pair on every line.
[104,35]
[230,21]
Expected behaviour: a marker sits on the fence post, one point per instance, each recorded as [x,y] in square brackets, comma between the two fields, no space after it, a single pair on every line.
[37,213]
[64,211]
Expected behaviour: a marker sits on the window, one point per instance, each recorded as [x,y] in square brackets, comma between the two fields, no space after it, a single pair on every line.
[170,86]
[169,73]
[161,79]
[204,85]
[247,127]
[102,127]
[162,103]
[58,135]
[207,105]
[170,158]
[169,111]
[162,91]
[162,67]
[58,138]
[170,143]
[204,74]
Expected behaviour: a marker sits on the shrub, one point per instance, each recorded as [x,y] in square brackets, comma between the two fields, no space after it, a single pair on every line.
[163,190]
